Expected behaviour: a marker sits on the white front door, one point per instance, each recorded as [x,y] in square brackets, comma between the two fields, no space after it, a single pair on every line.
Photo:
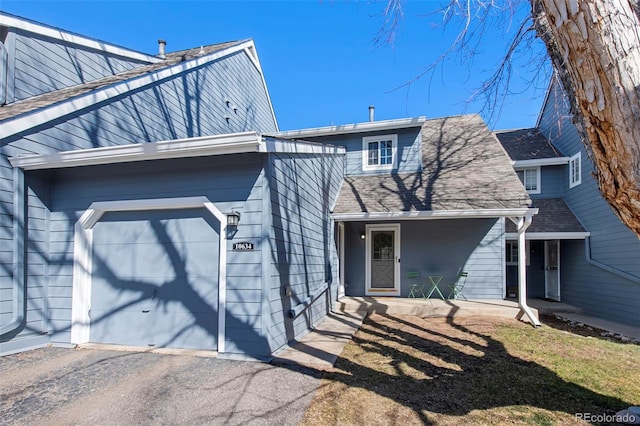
[382,275]
[552,269]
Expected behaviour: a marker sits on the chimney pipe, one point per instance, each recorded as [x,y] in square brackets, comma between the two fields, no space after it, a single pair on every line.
[161,46]
[371,110]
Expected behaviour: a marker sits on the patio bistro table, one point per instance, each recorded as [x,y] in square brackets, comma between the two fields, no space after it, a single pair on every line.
[435,280]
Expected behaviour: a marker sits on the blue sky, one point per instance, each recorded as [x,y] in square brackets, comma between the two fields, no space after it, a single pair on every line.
[320,60]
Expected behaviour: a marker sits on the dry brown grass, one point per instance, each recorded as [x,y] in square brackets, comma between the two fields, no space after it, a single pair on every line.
[408,370]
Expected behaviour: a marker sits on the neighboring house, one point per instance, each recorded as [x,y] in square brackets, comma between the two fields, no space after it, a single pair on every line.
[579,252]
[118,172]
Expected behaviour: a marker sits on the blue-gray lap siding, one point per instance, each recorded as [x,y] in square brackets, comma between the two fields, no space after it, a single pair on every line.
[39,64]
[303,251]
[409,151]
[230,182]
[156,112]
[597,292]
[438,247]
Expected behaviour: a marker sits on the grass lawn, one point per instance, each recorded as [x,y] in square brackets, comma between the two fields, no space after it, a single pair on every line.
[409,370]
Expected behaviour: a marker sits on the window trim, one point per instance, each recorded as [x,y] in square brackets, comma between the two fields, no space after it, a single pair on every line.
[513,244]
[575,159]
[378,138]
[524,179]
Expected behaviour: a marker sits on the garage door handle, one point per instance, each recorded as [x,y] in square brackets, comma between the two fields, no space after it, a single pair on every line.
[145,311]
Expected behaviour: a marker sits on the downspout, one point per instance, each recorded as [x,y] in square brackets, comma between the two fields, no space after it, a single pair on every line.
[522,225]
[19,283]
[611,269]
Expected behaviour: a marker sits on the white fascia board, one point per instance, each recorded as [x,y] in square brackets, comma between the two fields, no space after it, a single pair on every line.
[439,214]
[32,119]
[250,49]
[370,126]
[180,148]
[523,164]
[299,147]
[550,235]
[58,34]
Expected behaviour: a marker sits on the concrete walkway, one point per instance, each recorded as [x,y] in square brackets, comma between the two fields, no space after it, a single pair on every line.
[321,347]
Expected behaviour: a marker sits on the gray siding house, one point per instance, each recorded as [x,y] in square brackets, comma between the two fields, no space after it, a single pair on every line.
[578,251]
[121,177]
[152,201]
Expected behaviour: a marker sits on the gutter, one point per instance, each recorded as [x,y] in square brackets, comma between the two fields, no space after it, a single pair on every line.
[522,225]
[19,283]
[611,269]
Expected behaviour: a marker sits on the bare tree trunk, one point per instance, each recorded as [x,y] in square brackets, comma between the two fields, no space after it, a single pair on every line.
[595,47]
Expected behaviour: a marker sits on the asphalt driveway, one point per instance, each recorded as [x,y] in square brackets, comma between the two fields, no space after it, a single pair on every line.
[87,386]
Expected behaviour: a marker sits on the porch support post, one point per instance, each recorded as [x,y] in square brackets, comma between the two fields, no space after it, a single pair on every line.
[522,225]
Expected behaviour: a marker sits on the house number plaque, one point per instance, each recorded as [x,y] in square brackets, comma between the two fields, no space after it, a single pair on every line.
[243,246]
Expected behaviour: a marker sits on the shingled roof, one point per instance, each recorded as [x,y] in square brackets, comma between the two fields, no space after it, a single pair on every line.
[553,216]
[526,144]
[464,168]
[51,98]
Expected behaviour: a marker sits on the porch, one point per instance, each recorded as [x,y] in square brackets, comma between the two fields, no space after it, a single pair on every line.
[431,307]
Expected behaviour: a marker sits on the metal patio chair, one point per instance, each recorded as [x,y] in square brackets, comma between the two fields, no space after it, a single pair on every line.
[458,286]
[415,288]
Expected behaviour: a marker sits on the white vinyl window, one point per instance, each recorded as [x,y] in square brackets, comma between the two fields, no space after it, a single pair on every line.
[575,170]
[379,152]
[512,253]
[530,178]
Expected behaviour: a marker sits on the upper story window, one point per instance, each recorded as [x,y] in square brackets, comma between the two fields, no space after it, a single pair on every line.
[575,170]
[530,178]
[379,152]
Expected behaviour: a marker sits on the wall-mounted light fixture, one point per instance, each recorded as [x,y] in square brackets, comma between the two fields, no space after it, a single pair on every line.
[362,236]
[233,218]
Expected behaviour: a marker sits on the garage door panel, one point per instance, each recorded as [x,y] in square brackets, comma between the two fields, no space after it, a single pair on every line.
[123,327]
[158,226]
[186,330]
[123,294]
[194,295]
[133,259]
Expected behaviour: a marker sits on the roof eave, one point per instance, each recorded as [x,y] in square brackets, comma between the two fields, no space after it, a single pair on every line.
[58,34]
[370,126]
[550,235]
[555,161]
[235,143]
[435,214]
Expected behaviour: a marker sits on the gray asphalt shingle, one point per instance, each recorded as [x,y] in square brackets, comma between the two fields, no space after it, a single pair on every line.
[464,168]
[553,216]
[526,144]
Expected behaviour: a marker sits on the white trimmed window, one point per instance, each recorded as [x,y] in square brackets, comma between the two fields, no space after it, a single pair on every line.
[530,178]
[575,170]
[379,152]
[512,253]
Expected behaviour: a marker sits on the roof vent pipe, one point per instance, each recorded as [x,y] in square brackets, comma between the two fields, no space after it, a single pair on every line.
[161,46]
[371,111]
